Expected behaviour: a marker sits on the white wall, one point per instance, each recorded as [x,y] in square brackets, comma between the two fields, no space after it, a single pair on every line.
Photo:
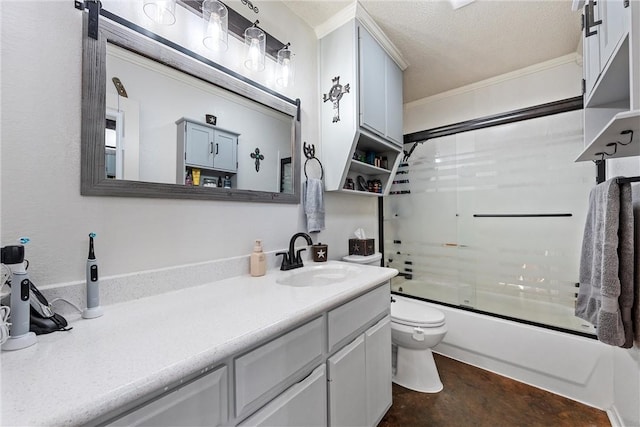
[546,82]
[41,107]
[597,374]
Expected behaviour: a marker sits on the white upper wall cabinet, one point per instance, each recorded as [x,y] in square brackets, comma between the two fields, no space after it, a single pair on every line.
[612,79]
[361,117]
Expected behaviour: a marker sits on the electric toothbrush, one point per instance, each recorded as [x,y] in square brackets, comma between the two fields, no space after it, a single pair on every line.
[93,309]
[19,335]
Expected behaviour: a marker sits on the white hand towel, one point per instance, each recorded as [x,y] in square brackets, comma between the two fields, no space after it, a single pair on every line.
[313,200]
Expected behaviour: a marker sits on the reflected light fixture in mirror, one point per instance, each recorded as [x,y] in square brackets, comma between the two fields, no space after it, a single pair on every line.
[284,70]
[162,12]
[215,19]
[255,45]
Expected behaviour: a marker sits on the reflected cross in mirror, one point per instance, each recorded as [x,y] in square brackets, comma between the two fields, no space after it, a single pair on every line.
[256,155]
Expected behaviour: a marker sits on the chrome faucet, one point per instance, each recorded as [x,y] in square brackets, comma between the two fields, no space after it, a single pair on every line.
[292,259]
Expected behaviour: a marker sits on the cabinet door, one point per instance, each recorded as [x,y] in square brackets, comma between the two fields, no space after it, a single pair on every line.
[614,25]
[591,50]
[394,101]
[347,385]
[372,83]
[199,145]
[225,152]
[378,364]
[304,404]
[202,402]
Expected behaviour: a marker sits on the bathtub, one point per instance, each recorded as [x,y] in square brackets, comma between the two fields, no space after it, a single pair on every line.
[574,366]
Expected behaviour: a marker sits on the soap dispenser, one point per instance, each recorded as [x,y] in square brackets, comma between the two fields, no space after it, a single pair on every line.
[258,260]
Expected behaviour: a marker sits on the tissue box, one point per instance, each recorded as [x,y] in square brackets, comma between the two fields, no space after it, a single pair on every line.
[361,247]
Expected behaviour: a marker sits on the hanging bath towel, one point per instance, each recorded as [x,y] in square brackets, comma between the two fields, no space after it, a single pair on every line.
[635,311]
[599,293]
[313,200]
[626,270]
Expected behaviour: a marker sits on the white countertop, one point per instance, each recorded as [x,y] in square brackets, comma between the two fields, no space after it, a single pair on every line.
[140,346]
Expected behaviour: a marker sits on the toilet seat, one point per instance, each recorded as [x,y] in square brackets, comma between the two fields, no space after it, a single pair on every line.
[407,312]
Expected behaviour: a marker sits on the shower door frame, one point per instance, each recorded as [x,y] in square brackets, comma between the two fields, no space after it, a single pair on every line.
[541,110]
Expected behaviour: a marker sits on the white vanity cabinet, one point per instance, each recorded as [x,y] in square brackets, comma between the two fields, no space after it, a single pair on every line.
[205,147]
[361,115]
[334,369]
[200,402]
[359,374]
[611,68]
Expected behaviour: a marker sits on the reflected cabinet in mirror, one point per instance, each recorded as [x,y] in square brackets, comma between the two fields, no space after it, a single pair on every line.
[160,123]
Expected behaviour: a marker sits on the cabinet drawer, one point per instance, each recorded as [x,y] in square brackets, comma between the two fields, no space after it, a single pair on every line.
[348,318]
[303,404]
[202,402]
[264,369]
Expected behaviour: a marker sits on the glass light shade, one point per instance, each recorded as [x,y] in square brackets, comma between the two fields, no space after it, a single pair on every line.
[255,41]
[162,12]
[215,18]
[285,67]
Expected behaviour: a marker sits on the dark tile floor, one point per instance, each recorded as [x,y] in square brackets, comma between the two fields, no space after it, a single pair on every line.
[475,397]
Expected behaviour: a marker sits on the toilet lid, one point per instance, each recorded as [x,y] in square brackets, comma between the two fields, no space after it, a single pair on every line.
[363,259]
[411,312]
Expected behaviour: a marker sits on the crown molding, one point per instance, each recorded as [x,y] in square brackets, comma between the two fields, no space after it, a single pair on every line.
[356,11]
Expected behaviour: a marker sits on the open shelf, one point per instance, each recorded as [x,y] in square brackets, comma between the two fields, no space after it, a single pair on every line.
[613,83]
[628,120]
[366,168]
[362,193]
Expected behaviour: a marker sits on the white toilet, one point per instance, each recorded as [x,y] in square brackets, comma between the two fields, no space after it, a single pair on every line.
[416,328]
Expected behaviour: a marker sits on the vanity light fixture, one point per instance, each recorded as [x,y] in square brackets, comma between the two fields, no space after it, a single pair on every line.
[215,18]
[162,12]
[285,67]
[255,45]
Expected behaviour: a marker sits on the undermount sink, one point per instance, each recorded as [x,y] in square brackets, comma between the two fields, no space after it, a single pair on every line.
[318,275]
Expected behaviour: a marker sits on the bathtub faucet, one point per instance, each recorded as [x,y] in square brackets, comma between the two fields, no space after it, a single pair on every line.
[292,259]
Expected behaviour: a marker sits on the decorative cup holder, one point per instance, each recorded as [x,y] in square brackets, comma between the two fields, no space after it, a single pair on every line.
[319,252]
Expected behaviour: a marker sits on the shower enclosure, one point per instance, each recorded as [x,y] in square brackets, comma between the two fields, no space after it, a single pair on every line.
[491,220]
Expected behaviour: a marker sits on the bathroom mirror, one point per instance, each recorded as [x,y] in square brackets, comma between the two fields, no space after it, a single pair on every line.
[139,95]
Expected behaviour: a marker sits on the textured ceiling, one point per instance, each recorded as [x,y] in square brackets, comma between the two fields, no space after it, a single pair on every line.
[449,48]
